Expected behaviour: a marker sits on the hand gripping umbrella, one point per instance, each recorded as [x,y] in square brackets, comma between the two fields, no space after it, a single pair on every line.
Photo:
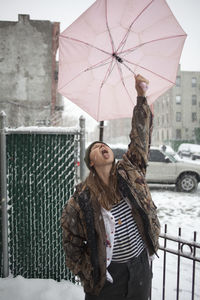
[111,41]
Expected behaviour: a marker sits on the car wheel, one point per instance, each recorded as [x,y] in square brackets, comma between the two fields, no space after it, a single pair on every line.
[187,183]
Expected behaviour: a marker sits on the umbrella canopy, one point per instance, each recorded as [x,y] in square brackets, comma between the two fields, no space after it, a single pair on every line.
[111,41]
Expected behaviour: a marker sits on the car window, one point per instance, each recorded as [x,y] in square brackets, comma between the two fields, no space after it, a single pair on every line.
[156,156]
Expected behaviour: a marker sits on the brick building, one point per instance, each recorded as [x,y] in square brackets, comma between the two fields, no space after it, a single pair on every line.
[28,72]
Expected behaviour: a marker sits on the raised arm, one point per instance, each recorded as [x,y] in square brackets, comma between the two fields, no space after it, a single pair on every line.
[140,134]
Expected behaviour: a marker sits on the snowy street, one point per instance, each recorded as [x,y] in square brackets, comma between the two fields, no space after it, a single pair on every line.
[174,209]
[178,210]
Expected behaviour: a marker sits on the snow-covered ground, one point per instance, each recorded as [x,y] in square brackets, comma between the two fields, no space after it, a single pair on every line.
[178,210]
[20,288]
[174,209]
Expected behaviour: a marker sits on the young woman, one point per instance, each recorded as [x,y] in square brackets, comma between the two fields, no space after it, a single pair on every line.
[110,226]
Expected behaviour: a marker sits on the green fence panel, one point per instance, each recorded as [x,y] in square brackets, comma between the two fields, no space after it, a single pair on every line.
[41,175]
[1,258]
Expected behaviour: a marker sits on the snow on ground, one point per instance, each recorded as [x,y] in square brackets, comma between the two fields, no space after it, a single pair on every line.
[20,288]
[176,210]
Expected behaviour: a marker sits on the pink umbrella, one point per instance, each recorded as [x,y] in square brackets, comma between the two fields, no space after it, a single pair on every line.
[111,41]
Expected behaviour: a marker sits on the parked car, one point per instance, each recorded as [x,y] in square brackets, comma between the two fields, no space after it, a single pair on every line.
[118,152]
[167,149]
[196,155]
[166,169]
[189,150]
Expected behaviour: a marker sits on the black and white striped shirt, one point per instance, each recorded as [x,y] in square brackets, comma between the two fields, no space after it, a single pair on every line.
[128,242]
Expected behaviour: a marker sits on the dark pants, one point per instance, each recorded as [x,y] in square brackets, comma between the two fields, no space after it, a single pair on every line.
[131,281]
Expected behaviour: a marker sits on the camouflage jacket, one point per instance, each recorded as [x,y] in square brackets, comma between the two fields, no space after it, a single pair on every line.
[84,236]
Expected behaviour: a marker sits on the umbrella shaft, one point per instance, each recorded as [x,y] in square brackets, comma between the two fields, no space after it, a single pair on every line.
[129,68]
[120,60]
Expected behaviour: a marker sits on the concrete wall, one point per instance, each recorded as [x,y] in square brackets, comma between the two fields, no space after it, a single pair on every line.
[27,66]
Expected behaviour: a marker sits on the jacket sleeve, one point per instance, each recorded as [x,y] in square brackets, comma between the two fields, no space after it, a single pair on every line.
[75,242]
[140,135]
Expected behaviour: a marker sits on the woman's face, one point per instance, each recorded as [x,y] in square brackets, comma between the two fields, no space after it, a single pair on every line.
[101,155]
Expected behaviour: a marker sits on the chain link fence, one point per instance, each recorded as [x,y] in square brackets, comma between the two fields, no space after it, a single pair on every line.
[1,253]
[41,175]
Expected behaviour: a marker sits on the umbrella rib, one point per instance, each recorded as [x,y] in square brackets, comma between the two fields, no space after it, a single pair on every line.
[108,28]
[121,76]
[123,41]
[108,72]
[85,43]
[146,70]
[99,64]
[152,41]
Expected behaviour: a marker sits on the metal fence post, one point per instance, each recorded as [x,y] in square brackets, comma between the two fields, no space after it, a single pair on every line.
[3,194]
[82,148]
[101,130]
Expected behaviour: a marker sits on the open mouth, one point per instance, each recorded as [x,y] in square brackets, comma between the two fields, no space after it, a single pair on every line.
[105,153]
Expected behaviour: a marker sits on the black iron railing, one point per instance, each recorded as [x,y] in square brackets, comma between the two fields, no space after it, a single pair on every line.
[180,261]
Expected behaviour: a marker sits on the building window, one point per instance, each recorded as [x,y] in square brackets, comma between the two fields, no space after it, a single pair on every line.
[178,133]
[194,82]
[178,99]
[194,99]
[194,116]
[178,116]
[163,119]
[178,81]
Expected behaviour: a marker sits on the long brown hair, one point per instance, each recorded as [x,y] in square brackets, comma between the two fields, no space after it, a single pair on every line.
[107,195]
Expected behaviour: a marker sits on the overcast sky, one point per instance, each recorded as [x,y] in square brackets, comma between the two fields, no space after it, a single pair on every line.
[66,11]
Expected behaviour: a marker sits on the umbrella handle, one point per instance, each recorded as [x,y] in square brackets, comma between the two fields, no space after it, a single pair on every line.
[144,86]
